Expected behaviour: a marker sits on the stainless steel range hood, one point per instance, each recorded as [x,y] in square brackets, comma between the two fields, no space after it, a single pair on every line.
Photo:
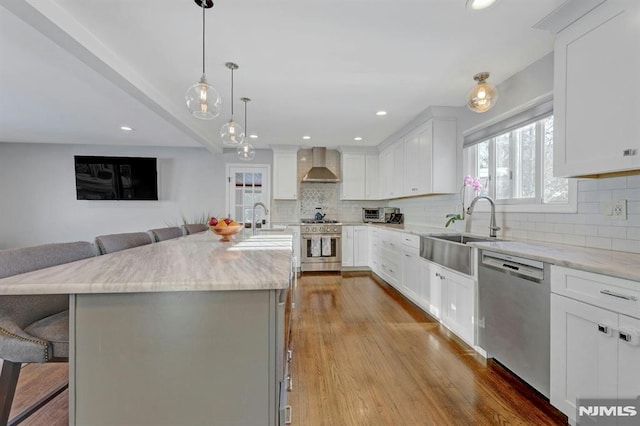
[319,171]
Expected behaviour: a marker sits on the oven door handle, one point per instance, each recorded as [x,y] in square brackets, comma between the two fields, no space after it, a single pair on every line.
[333,237]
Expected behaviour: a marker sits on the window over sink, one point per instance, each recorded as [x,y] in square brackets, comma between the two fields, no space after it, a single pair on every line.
[514,161]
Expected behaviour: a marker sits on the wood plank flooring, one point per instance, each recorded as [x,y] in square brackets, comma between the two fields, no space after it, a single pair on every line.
[364,355]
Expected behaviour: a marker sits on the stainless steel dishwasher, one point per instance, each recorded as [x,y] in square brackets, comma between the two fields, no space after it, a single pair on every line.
[513,315]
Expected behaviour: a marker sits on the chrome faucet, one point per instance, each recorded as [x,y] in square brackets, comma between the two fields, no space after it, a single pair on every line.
[253,215]
[492,225]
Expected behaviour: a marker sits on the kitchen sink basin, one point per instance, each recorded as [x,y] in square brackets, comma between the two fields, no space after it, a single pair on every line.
[462,239]
[451,250]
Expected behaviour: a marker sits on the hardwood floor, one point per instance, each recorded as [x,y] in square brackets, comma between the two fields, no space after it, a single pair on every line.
[363,355]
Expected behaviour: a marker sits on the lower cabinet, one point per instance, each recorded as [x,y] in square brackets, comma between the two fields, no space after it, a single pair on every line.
[430,294]
[295,231]
[355,246]
[595,352]
[458,303]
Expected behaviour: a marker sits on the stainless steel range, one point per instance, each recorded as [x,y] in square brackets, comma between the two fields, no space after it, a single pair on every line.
[321,245]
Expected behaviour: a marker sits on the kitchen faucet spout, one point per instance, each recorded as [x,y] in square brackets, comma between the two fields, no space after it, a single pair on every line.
[253,215]
[492,224]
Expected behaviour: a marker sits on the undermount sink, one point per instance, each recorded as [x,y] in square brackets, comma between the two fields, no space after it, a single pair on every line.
[461,238]
[451,250]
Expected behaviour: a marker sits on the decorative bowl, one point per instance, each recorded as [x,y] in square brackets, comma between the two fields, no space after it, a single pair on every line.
[226,231]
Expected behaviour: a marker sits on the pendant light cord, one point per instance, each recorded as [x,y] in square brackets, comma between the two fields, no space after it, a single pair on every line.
[203,27]
[245,117]
[232,93]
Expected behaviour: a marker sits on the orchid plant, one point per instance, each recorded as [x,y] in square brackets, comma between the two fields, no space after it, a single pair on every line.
[468,181]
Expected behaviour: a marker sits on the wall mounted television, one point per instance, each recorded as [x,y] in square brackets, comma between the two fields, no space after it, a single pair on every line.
[116,178]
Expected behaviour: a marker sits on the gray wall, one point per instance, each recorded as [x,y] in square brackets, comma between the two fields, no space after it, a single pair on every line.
[38,198]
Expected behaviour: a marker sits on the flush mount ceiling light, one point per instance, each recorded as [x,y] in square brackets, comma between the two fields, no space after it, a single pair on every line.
[126,128]
[357,138]
[246,151]
[483,96]
[203,101]
[306,138]
[253,136]
[231,132]
[479,4]
[381,113]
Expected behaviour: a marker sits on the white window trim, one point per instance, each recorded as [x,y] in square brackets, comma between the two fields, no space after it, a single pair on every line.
[523,206]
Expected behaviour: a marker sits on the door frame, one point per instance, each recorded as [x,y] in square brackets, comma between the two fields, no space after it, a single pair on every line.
[257,167]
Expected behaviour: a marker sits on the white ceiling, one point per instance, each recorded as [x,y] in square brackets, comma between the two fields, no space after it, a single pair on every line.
[74,71]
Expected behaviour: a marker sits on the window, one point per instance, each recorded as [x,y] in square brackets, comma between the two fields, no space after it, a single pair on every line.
[516,166]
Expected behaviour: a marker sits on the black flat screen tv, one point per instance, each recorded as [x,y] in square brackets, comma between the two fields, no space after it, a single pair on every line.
[116,178]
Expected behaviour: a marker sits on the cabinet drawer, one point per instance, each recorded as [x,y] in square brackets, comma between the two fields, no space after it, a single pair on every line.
[390,270]
[391,241]
[411,241]
[616,294]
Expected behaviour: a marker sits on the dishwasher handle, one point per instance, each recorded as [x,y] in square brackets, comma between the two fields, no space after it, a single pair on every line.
[529,269]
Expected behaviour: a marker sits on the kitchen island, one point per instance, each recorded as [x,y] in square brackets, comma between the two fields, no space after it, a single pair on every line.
[188,331]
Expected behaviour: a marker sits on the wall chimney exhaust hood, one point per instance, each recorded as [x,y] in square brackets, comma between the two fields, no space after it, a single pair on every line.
[319,171]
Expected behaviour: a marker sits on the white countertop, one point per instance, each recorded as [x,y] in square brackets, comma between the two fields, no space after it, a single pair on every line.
[199,262]
[607,262]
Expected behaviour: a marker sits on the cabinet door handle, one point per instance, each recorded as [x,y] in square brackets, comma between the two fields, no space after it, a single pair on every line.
[629,337]
[604,329]
[438,274]
[289,383]
[289,355]
[618,295]
[287,415]
[624,336]
[407,255]
[414,189]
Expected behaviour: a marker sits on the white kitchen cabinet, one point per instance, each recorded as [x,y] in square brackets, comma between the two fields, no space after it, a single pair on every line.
[295,231]
[373,249]
[430,158]
[347,246]
[285,174]
[589,357]
[596,108]
[359,176]
[411,280]
[355,250]
[430,294]
[390,257]
[371,177]
[391,175]
[458,303]
[360,246]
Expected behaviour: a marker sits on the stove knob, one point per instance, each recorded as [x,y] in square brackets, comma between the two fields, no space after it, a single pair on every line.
[313,229]
[335,229]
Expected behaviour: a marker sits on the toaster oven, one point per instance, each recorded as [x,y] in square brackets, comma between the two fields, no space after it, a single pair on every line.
[378,214]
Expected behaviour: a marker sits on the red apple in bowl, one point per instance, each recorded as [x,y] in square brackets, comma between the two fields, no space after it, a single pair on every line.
[213,221]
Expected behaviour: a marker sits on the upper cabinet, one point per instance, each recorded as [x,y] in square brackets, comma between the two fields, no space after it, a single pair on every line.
[285,173]
[359,176]
[596,95]
[423,162]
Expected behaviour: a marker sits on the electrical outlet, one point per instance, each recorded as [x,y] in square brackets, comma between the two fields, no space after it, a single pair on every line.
[619,210]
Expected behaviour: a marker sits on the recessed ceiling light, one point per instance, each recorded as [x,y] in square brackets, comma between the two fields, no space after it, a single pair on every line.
[253,136]
[381,113]
[126,128]
[479,4]
[357,138]
[306,138]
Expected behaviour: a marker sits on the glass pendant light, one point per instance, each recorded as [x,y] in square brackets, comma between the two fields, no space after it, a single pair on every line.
[231,132]
[246,151]
[203,101]
[482,97]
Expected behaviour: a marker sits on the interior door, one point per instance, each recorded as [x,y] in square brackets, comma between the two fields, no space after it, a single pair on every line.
[248,185]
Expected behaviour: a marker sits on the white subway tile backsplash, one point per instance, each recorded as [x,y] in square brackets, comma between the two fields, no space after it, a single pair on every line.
[552,237]
[612,183]
[587,185]
[589,208]
[612,231]
[563,228]
[589,230]
[632,246]
[633,181]
[575,240]
[633,233]
[598,242]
